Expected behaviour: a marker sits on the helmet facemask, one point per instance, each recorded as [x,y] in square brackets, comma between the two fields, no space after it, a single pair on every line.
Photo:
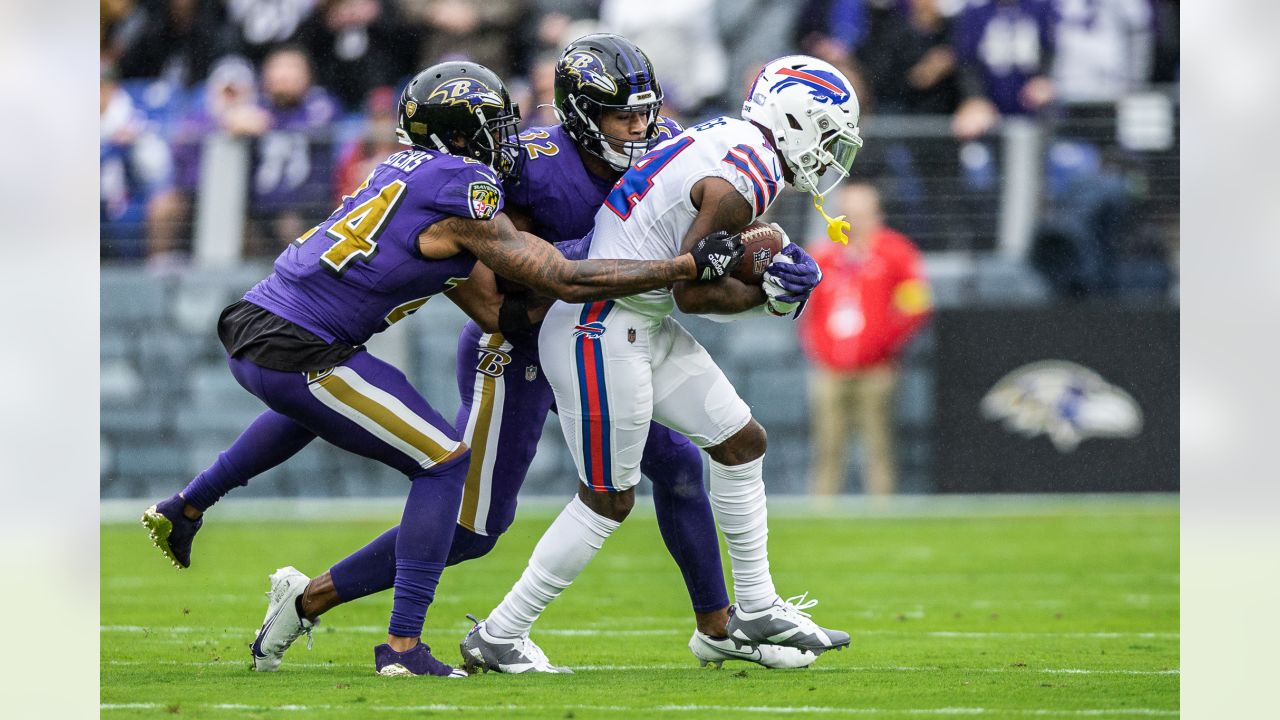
[583,118]
[821,164]
[497,143]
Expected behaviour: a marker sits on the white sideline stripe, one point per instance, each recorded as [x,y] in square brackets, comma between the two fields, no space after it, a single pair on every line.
[687,666]
[1000,712]
[589,632]
[115,510]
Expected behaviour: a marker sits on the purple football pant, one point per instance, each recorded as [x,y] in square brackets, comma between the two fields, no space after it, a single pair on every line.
[505,401]
[368,407]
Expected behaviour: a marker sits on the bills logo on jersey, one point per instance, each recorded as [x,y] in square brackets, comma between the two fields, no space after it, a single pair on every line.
[465,91]
[588,70]
[823,86]
[590,330]
[484,200]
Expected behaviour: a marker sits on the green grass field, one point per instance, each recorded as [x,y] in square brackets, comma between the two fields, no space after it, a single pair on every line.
[1047,610]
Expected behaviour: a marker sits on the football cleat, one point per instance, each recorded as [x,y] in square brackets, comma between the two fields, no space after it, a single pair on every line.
[171,531]
[714,651]
[417,660]
[282,624]
[482,652]
[785,623]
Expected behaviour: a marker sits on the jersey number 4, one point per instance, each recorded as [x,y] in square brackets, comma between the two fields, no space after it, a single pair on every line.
[638,181]
[356,234]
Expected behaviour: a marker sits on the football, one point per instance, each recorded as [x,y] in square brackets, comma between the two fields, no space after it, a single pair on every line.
[761,242]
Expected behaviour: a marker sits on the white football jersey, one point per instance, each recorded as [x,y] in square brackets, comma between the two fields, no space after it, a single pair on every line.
[648,212]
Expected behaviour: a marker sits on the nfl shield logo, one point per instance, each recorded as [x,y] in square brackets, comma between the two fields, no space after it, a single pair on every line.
[631,335]
[530,373]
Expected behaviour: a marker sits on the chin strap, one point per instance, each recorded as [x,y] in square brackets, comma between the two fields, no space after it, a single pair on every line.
[837,227]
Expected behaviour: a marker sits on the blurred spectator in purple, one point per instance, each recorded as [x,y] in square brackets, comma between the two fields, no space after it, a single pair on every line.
[139,212]
[258,26]
[681,41]
[909,61]
[494,33]
[292,153]
[1103,49]
[1005,49]
[356,46]
[173,40]
[377,140]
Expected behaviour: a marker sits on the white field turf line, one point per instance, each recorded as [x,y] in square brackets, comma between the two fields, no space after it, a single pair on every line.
[668,666]
[441,707]
[594,632]
[233,509]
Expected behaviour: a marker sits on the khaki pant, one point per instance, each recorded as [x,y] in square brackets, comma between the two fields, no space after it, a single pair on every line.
[844,404]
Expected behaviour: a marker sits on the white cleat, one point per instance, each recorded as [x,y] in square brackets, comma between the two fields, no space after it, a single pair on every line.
[282,624]
[484,652]
[714,651]
[785,622]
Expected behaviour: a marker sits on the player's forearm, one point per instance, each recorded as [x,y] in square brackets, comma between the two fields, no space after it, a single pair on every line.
[724,297]
[587,280]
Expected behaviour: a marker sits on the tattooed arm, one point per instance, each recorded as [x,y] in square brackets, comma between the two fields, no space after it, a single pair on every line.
[529,260]
[720,208]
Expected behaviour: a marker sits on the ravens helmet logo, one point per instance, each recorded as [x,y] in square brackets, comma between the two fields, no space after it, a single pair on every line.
[465,91]
[588,69]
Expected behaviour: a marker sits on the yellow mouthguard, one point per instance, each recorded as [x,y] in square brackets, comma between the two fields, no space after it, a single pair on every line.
[837,227]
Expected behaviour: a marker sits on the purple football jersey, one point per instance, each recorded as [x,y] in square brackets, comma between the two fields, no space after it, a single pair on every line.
[1009,42]
[556,189]
[360,271]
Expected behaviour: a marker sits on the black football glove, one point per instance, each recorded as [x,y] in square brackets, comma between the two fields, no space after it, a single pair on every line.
[717,254]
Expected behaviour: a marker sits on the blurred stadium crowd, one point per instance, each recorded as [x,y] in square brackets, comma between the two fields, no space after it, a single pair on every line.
[313,84]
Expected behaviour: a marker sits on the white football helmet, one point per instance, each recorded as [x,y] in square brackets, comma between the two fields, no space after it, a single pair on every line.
[812,111]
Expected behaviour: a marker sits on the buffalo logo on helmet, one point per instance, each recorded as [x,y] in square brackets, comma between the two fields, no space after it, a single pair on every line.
[823,86]
[1064,401]
[588,69]
[465,91]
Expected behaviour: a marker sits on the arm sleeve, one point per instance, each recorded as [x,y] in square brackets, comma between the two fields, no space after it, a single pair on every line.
[472,191]
[575,249]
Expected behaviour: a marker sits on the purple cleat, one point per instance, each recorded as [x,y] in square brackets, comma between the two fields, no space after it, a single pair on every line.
[171,531]
[417,660]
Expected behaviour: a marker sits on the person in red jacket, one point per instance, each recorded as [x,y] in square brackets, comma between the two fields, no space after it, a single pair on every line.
[872,299]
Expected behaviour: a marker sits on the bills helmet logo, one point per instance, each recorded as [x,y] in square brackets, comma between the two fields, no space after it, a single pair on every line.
[823,86]
[588,69]
[1064,401]
[591,330]
[467,92]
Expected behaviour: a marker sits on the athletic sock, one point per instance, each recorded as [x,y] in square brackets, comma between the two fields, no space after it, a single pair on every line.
[269,440]
[560,556]
[422,543]
[684,518]
[737,498]
[369,570]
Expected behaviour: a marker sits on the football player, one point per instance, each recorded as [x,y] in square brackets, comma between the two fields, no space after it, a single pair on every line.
[414,229]
[617,365]
[608,99]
